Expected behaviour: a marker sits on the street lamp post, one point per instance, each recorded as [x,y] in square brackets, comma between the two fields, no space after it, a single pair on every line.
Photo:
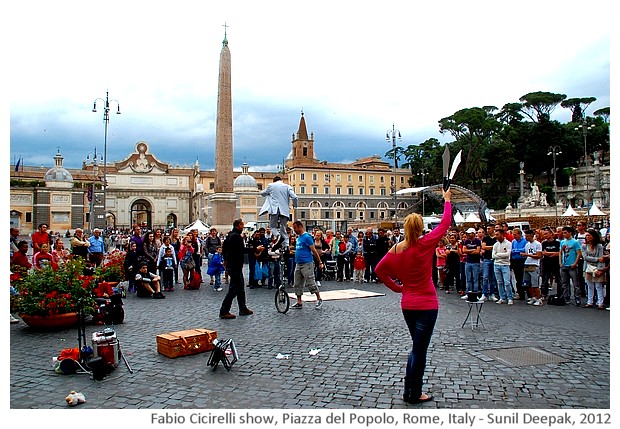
[106,121]
[422,173]
[584,128]
[95,159]
[555,150]
[393,134]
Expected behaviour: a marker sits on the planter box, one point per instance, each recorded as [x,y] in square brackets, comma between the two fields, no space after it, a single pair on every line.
[183,343]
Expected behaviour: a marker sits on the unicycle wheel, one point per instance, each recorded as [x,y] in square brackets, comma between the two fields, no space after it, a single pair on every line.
[283,301]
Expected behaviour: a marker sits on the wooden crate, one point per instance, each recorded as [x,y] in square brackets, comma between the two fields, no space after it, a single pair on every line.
[183,343]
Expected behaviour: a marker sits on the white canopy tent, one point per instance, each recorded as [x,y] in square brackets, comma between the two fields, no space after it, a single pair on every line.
[458,218]
[411,190]
[472,218]
[201,227]
[570,212]
[595,211]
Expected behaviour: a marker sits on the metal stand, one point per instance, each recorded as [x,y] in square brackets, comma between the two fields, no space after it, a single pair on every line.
[219,354]
[470,317]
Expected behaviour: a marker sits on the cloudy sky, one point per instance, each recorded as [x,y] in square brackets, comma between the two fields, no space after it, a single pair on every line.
[355,68]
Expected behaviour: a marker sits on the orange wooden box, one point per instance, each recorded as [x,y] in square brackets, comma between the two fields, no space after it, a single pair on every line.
[183,343]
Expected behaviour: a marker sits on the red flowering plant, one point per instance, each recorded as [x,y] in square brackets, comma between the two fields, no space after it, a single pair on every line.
[47,292]
[112,269]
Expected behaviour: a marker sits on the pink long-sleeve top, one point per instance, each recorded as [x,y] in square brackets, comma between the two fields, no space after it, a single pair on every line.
[413,268]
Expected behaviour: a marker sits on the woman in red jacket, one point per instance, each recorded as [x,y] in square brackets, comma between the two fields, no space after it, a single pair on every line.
[411,263]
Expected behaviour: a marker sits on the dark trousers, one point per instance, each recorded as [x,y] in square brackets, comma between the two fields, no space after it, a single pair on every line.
[343,264]
[517,265]
[371,263]
[236,288]
[421,324]
[453,277]
[547,274]
[167,278]
[251,265]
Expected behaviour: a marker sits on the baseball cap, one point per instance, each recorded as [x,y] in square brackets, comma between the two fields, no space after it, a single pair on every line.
[471,231]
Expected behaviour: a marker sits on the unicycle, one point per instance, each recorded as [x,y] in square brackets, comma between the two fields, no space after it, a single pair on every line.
[283,301]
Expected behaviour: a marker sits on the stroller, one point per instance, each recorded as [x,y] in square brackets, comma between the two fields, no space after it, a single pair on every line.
[330,270]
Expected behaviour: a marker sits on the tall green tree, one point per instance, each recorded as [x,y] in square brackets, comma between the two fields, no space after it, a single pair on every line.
[538,105]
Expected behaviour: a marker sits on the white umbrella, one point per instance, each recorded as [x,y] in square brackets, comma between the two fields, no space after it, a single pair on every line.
[458,218]
[570,211]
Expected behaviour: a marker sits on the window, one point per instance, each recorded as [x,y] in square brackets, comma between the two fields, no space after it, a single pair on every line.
[305,151]
[326,215]
[360,178]
[361,191]
[371,179]
[337,177]
[314,177]
[327,177]
[326,190]
[372,191]
[382,179]
[372,215]
[350,177]
[382,191]
[402,179]
[350,190]
[302,189]
[28,217]
[350,215]
[302,176]
[338,188]
[337,215]
[361,215]
[315,189]
[211,185]
[293,177]
[302,214]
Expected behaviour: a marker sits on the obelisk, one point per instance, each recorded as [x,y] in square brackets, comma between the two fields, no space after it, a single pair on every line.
[223,201]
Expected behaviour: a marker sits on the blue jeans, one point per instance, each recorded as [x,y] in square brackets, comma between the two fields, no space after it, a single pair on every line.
[472,272]
[489,285]
[421,324]
[504,286]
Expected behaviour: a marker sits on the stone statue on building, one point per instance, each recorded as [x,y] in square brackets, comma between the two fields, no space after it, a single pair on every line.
[535,193]
[543,200]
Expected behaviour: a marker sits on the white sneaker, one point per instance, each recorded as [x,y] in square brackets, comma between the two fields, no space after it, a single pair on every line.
[530,301]
[319,304]
[318,284]
[510,302]
[500,301]
[464,296]
[538,302]
[494,298]
[13,319]
[482,298]
[516,296]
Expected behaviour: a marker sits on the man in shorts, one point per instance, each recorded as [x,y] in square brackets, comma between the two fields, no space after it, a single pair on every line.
[305,255]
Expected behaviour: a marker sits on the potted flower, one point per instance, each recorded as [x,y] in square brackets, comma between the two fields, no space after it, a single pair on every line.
[112,270]
[51,298]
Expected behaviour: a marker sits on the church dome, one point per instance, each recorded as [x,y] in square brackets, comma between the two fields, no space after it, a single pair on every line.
[58,176]
[244,181]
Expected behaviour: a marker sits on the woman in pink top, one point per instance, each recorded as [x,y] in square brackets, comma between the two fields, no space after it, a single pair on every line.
[411,263]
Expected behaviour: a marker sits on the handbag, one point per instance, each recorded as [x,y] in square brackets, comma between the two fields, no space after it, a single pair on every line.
[591,269]
[265,270]
[189,265]
[258,272]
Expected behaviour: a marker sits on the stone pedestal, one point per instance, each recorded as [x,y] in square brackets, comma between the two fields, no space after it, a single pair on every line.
[223,210]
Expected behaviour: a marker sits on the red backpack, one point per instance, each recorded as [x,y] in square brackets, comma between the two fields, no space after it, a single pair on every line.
[194,282]
[342,247]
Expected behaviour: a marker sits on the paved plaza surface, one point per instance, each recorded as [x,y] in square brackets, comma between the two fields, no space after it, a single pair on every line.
[525,358]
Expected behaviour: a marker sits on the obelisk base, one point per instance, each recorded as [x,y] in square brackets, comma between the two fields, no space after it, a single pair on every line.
[223,210]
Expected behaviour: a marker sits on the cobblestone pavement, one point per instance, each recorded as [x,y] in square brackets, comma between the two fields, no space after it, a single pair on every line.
[527,357]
